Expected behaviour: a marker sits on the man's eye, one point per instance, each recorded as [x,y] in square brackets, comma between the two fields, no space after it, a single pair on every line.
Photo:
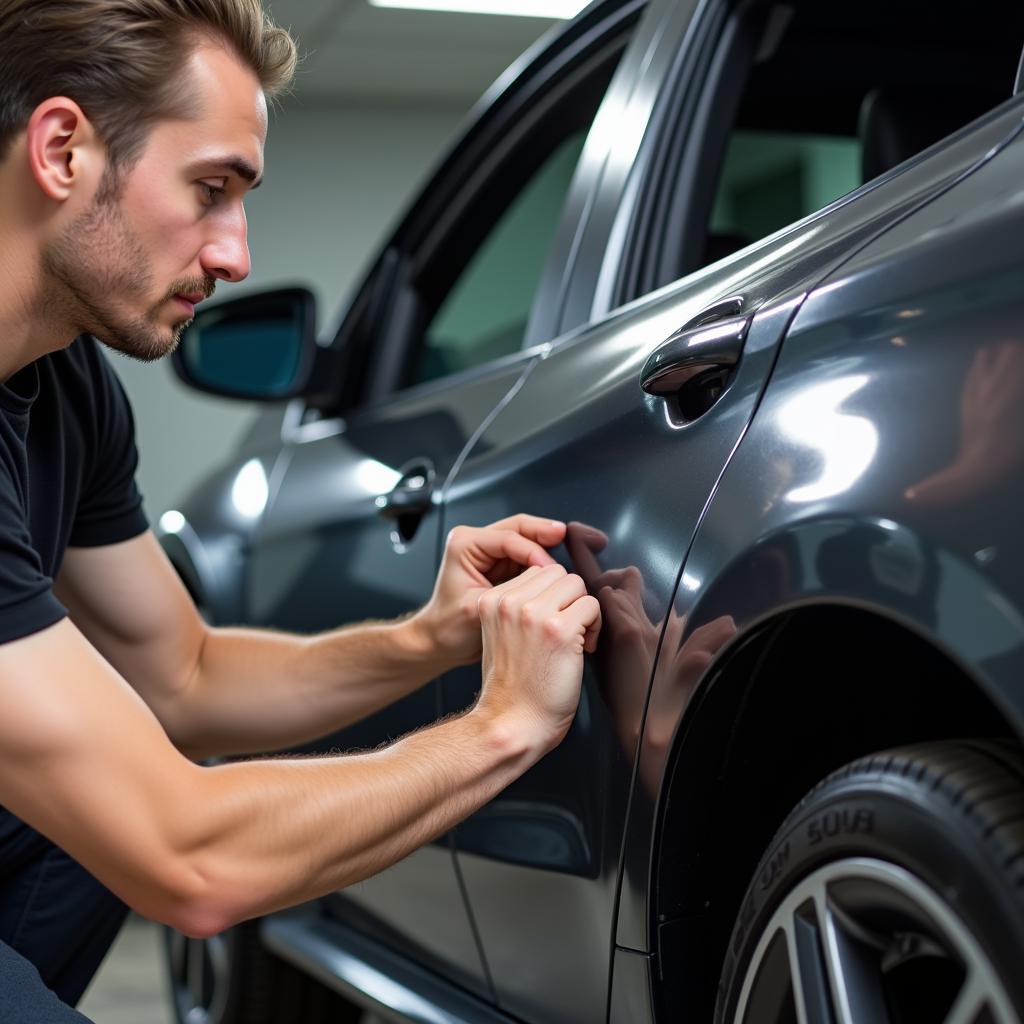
[210,193]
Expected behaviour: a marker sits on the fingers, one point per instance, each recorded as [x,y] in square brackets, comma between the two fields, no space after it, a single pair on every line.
[548,594]
[486,550]
[558,594]
[546,532]
[491,597]
[533,583]
[586,612]
[493,552]
[565,605]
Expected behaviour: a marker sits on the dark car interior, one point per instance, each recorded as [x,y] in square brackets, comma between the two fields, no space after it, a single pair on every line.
[893,81]
[806,103]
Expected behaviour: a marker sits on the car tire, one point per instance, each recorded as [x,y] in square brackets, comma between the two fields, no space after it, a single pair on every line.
[893,893]
[231,978]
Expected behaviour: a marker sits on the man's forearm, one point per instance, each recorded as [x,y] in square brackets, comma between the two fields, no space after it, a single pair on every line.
[278,832]
[84,761]
[255,691]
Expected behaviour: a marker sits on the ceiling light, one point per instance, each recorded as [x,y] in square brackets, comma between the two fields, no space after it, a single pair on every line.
[522,8]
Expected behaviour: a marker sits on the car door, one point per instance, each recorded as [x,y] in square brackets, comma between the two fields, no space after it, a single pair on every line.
[433,342]
[623,429]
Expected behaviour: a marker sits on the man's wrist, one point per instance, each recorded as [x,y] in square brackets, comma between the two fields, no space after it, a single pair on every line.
[508,737]
[516,730]
[417,642]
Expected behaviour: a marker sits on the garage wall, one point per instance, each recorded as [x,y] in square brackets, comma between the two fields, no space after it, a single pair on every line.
[336,179]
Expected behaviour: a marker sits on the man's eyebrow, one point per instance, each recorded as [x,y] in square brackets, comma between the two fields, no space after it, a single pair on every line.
[240,166]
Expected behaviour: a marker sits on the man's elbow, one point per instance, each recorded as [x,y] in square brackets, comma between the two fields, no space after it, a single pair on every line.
[189,900]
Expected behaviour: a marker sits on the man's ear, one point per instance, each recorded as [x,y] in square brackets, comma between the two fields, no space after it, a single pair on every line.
[62,147]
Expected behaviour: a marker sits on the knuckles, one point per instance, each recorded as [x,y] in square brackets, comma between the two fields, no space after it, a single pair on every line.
[554,629]
[505,609]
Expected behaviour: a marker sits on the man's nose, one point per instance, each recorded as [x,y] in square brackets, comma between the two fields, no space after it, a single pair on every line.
[226,255]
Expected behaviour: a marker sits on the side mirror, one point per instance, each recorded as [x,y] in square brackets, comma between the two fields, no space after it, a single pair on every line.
[260,346]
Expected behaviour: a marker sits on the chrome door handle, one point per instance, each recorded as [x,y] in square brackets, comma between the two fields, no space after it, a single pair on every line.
[412,497]
[712,340]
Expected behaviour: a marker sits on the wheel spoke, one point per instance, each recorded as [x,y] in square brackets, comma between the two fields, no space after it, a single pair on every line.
[177,946]
[970,1001]
[196,972]
[862,941]
[768,995]
[854,972]
[807,967]
[220,968]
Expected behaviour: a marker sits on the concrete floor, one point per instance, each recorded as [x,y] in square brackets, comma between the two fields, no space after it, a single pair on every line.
[130,987]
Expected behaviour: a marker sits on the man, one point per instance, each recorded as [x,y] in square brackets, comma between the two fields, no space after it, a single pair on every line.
[130,132]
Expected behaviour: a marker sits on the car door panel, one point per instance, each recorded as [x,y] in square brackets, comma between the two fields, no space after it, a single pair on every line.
[315,566]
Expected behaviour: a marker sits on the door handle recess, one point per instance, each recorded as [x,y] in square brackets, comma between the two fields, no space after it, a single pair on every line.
[692,351]
[408,502]
[411,497]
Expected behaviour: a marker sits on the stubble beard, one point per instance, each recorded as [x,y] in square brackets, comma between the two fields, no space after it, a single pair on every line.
[96,261]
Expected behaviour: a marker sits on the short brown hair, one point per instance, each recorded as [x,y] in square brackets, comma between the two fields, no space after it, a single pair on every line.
[120,60]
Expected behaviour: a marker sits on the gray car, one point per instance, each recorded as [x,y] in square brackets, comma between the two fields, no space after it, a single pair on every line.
[738,290]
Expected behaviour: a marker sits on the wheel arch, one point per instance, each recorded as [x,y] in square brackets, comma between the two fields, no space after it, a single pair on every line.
[767,723]
[765,731]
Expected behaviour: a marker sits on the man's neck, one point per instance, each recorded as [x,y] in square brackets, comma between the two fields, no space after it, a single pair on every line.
[33,321]
[31,325]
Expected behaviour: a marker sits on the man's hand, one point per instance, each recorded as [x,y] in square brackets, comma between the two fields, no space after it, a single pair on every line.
[535,630]
[475,561]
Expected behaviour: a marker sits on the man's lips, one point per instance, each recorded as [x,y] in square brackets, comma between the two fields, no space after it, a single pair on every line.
[190,300]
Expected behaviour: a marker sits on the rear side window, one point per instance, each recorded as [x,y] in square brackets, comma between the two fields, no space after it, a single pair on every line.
[770,179]
[800,103]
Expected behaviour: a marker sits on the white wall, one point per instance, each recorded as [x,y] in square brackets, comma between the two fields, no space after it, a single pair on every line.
[336,179]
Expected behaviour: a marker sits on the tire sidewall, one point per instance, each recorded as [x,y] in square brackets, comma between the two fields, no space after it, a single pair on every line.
[893,821]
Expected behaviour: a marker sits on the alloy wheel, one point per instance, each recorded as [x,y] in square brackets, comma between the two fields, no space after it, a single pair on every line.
[863,941]
[200,977]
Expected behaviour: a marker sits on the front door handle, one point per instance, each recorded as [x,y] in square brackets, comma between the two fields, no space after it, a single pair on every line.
[408,502]
[411,497]
[712,340]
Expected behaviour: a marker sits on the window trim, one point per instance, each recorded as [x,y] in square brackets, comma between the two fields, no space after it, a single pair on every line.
[704,100]
[377,348]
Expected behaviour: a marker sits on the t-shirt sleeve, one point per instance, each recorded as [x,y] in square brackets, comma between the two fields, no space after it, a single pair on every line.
[110,507]
[27,604]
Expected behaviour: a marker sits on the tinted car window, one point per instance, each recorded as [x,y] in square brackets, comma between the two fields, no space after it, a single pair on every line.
[800,105]
[770,179]
[485,313]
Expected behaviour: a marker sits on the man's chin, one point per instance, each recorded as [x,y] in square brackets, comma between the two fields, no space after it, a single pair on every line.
[145,346]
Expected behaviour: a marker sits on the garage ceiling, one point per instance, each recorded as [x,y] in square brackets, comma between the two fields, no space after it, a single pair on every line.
[363,54]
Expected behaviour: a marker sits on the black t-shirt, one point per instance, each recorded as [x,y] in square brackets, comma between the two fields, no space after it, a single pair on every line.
[67,477]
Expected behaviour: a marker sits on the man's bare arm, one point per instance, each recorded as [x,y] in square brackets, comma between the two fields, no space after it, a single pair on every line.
[84,760]
[235,691]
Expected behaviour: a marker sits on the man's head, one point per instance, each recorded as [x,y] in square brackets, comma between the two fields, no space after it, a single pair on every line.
[139,126]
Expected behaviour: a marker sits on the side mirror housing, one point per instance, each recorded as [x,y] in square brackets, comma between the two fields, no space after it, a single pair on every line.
[260,346]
